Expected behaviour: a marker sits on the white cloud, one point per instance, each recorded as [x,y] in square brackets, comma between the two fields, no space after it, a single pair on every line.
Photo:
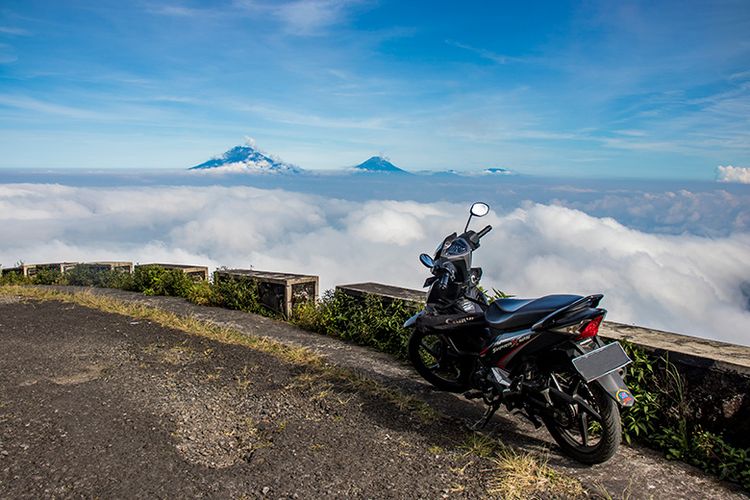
[683,283]
[733,174]
[309,17]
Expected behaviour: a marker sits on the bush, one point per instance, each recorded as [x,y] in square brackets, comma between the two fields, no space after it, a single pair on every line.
[239,293]
[88,275]
[155,280]
[46,276]
[13,278]
[370,321]
[202,293]
[661,419]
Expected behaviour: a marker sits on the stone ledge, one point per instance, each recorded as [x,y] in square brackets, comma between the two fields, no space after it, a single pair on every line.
[696,351]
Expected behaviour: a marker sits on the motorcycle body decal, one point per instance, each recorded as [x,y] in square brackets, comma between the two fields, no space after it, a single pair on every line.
[625,398]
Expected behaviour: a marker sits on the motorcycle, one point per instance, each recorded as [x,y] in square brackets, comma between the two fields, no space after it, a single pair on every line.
[539,357]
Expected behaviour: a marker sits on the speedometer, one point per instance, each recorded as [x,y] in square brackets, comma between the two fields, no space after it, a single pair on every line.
[458,247]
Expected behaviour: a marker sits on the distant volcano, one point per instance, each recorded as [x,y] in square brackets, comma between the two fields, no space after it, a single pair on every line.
[246,159]
[379,164]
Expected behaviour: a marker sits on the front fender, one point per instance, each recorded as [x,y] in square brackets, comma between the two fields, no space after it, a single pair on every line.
[614,385]
[411,322]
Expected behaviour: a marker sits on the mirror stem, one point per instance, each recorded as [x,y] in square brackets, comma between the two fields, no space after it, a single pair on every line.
[468,221]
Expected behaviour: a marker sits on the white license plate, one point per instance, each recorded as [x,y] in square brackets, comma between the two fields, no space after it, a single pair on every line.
[601,362]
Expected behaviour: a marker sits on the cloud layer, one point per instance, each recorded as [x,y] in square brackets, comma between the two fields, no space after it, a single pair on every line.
[733,174]
[684,283]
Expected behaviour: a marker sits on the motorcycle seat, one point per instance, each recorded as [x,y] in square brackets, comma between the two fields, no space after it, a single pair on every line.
[514,314]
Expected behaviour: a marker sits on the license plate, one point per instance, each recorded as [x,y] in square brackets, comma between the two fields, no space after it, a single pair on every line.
[602,361]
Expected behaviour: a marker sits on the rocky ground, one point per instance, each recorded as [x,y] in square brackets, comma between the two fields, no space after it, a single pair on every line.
[104,405]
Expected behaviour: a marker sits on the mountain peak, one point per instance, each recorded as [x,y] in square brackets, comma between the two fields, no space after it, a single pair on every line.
[378,164]
[246,158]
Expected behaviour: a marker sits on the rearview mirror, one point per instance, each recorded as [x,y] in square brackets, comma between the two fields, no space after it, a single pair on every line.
[427,260]
[480,209]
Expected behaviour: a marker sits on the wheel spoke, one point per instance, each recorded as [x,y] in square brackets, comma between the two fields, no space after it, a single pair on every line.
[583,423]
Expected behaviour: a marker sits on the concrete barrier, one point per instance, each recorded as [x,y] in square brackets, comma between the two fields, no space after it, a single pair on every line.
[198,273]
[29,270]
[280,292]
[108,265]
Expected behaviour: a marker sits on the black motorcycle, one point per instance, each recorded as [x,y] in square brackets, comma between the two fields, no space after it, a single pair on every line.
[541,357]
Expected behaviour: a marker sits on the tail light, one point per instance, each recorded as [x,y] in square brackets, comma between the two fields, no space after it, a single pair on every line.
[591,329]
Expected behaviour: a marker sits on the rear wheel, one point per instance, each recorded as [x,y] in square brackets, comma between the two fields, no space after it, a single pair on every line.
[437,361]
[588,431]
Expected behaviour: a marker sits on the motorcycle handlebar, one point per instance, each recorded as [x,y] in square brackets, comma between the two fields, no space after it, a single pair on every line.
[484,231]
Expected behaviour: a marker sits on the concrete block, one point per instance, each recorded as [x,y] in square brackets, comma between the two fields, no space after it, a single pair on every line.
[280,292]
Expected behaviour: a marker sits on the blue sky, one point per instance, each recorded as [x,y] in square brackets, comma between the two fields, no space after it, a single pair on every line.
[612,89]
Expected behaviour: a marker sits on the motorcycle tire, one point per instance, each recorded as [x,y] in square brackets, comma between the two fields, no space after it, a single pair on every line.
[436,361]
[609,432]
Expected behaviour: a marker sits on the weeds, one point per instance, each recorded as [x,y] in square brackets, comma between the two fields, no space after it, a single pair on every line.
[661,418]
[520,475]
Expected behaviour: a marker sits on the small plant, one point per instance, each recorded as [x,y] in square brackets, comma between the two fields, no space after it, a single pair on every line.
[480,445]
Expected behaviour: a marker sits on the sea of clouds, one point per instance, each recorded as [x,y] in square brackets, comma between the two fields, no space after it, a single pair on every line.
[689,282]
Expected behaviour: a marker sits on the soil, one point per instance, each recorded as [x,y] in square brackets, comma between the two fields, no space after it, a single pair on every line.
[95,404]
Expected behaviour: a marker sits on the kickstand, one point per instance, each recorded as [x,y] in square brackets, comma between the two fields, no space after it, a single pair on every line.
[488,413]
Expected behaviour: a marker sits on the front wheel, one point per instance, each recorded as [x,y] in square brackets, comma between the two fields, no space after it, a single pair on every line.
[590,437]
[436,360]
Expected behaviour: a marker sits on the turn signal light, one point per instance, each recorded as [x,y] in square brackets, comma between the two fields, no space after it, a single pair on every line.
[591,329]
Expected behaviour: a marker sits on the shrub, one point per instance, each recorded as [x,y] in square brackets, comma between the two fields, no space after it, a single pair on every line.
[88,275]
[238,293]
[202,293]
[661,419]
[155,280]
[13,278]
[370,321]
[46,276]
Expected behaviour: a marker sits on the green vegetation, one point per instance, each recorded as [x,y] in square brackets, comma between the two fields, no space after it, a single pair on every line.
[231,293]
[369,321]
[661,419]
